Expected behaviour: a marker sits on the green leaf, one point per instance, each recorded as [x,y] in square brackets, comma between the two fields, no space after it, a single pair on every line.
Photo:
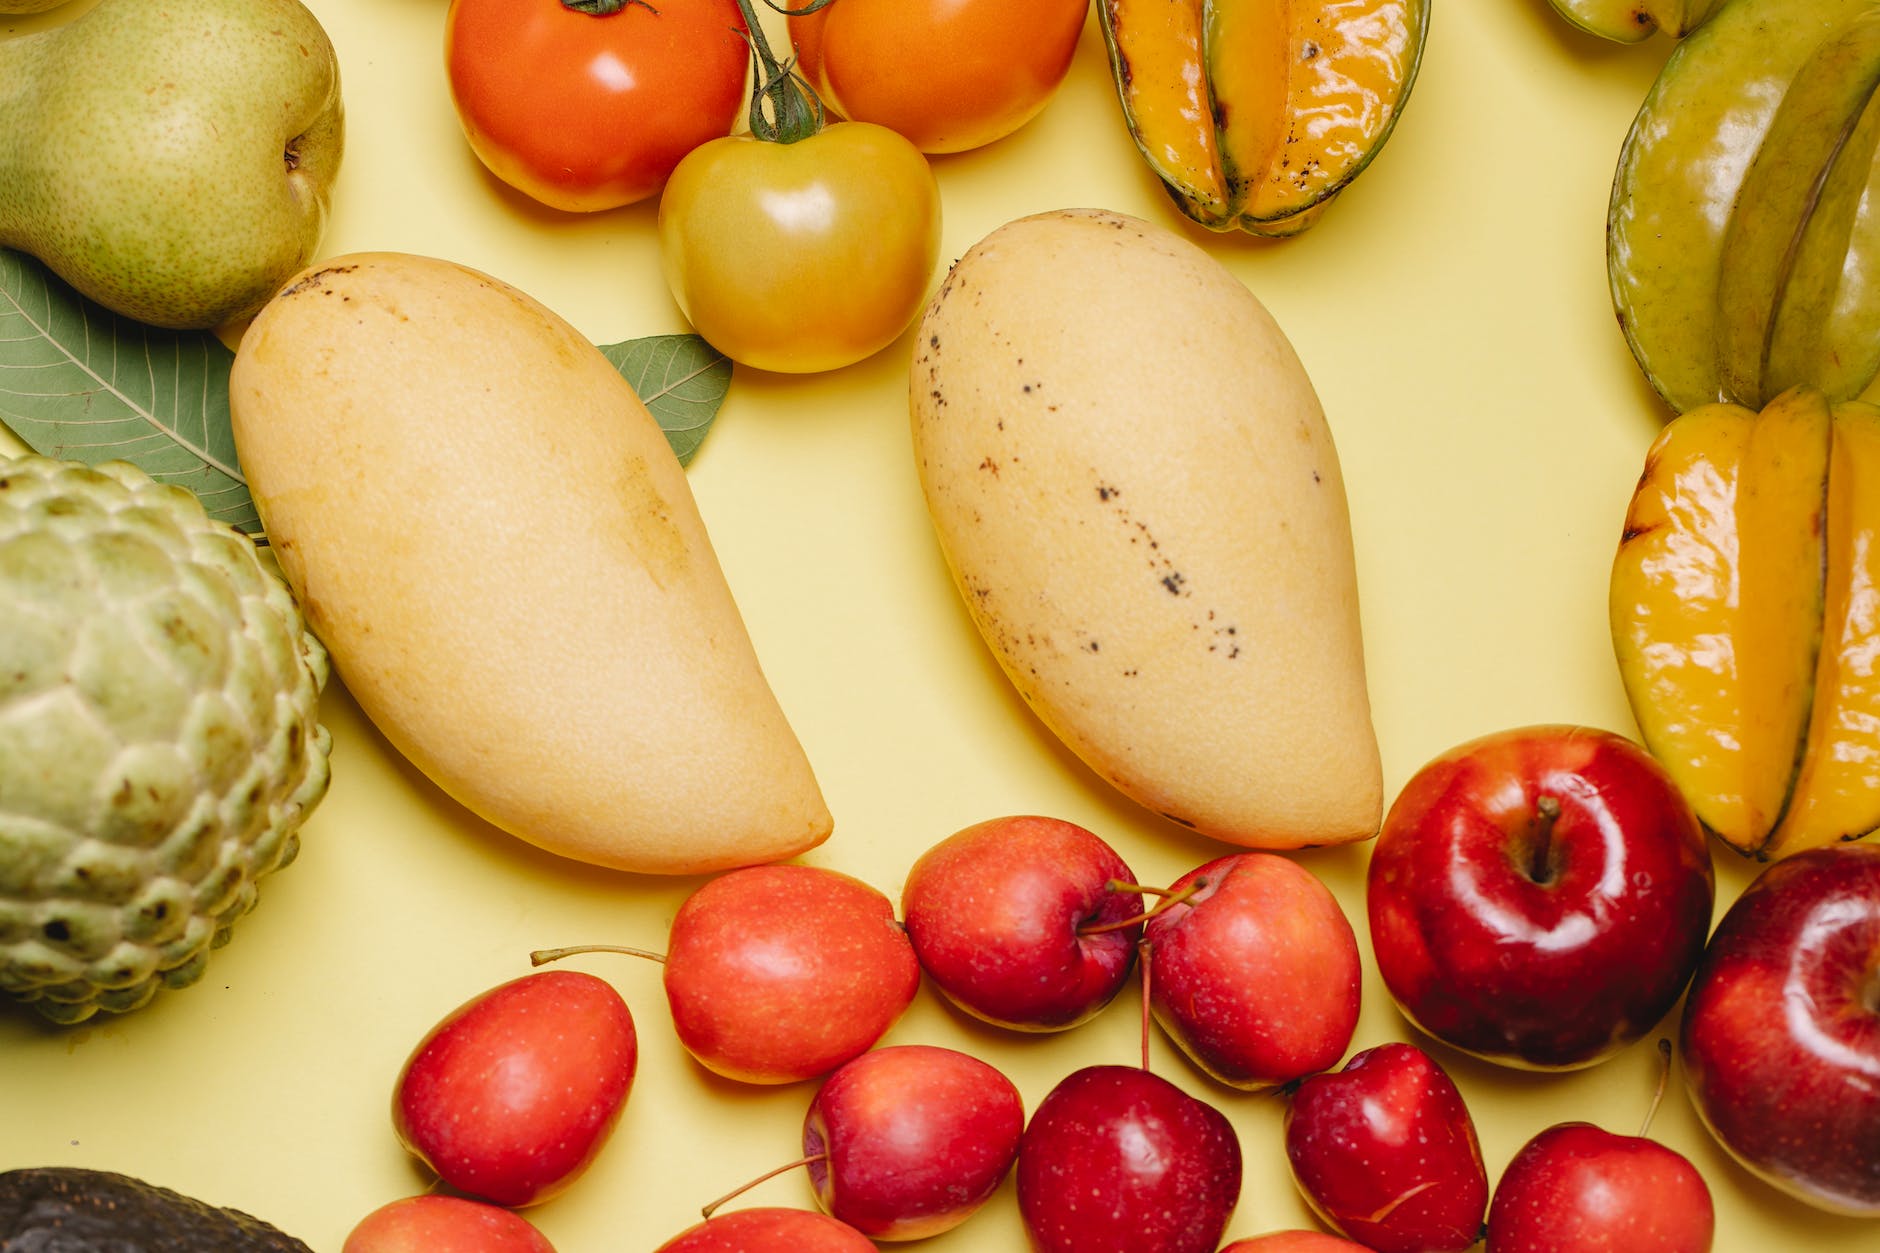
[681,378]
[80,382]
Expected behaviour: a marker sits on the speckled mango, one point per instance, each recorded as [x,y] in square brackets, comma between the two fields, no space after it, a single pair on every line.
[1745,603]
[1137,494]
[1741,256]
[1255,114]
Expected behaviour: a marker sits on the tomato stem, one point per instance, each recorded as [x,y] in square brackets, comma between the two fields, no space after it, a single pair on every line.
[784,107]
[606,8]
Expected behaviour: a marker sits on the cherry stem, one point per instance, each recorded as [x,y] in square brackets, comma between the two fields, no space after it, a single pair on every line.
[1169,900]
[542,956]
[708,1210]
[1142,964]
[1540,859]
[1658,1094]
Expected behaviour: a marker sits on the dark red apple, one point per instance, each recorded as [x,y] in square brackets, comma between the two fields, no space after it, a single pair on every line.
[1539,897]
[444,1224]
[769,1229]
[781,973]
[1781,1031]
[910,1140]
[1023,921]
[1116,1159]
[512,1096]
[1386,1153]
[1578,1188]
[1254,970]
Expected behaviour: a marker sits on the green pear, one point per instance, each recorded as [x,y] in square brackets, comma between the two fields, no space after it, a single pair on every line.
[28,6]
[171,161]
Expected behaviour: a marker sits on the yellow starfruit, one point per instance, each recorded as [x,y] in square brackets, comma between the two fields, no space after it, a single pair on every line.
[1255,114]
[1745,613]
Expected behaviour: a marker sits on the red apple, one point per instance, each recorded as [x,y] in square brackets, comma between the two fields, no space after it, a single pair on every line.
[1385,1153]
[1781,1031]
[1254,970]
[444,1224]
[1117,1159]
[912,1140]
[1294,1242]
[1577,1188]
[780,973]
[513,1094]
[769,1230]
[1539,897]
[1016,921]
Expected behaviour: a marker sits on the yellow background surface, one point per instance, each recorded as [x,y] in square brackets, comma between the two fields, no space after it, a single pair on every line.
[1452,310]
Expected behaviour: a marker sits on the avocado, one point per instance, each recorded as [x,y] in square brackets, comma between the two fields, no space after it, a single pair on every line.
[68,1209]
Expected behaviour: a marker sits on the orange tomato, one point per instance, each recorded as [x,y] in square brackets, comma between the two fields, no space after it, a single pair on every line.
[948,74]
[587,110]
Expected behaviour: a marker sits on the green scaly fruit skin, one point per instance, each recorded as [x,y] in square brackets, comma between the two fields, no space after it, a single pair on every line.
[171,161]
[160,743]
[1676,193]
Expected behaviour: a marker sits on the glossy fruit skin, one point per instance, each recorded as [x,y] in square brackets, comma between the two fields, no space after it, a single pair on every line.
[585,113]
[996,911]
[918,1137]
[1117,1159]
[783,972]
[769,1229]
[514,1093]
[436,1223]
[986,68]
[1294,1242]
[1386,1153]
[1781,1031]
[806,256]
[1578,1188]
[1552,970]
[1257,975]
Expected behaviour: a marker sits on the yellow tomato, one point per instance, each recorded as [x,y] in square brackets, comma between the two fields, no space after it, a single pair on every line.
[805,256]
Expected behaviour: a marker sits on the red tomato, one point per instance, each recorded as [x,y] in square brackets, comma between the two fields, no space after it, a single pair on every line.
[585,111]
[948,74]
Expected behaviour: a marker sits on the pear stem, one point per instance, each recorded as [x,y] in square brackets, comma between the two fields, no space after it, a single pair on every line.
[542,956]
[1541,856]
[1658,1093]
[1169,900]
[709,1209]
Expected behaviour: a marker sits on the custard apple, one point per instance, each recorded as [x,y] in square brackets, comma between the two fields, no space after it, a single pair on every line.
[159,735]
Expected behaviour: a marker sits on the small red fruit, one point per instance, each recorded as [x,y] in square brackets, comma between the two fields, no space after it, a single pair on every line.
[511,1097]
[769,1229]
[1016,921]
[1254,970]
[436,1223]
[1386,1153]
[913,1139]
[780,973]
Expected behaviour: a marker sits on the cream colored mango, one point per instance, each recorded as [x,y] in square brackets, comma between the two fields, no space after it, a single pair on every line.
[494,540]
[1135,488]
